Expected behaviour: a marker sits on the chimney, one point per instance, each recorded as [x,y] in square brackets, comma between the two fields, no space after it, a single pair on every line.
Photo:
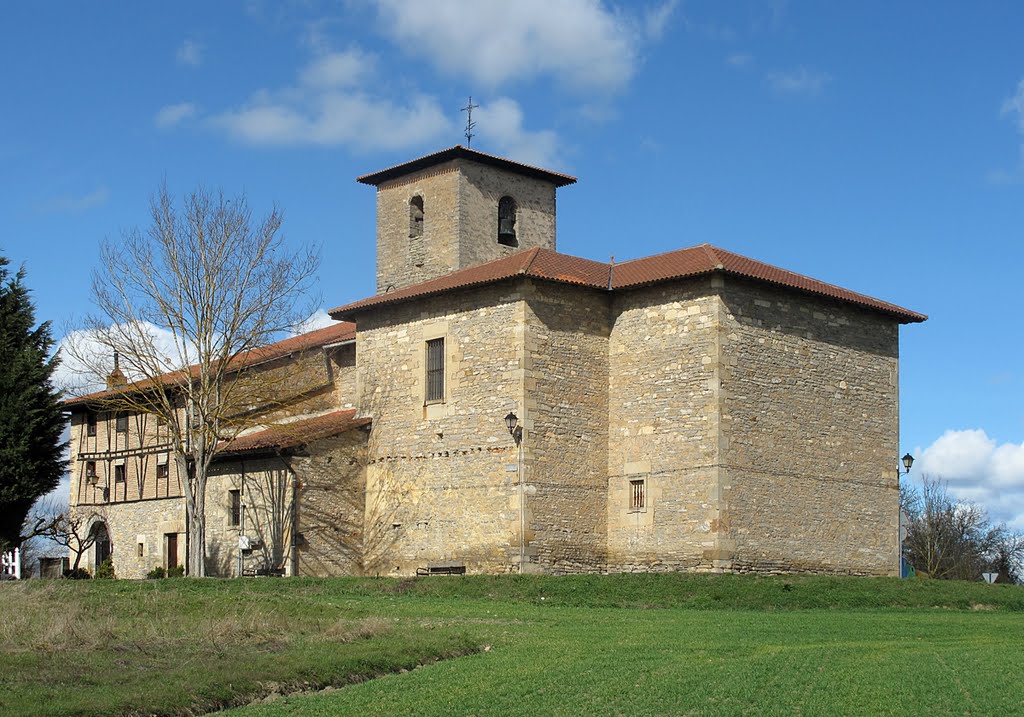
[116,378]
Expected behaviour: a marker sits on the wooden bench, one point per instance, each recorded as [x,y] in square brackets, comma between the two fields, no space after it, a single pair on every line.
[447,567]
[263,572]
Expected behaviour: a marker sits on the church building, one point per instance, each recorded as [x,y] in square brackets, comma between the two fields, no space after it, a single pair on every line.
[500,407]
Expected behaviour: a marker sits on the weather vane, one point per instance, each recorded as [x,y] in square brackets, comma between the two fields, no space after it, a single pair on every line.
[470,124]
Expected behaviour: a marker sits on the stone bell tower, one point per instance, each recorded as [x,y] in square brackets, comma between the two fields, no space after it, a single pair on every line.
[458,208]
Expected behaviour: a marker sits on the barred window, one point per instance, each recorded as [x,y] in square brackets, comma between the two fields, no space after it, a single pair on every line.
[120,473]
[637,497]
[235,501]
[90,424]
[121,423]
[435,370]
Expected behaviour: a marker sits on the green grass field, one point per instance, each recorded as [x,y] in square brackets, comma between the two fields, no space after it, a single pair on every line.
[615,645]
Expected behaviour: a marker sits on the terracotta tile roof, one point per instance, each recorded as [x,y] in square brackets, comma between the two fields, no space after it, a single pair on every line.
[336,333]
[705,259]
[680,264]
[460,152]
[296,433]
[538,263]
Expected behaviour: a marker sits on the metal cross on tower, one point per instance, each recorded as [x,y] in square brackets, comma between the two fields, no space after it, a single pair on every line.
[470,124]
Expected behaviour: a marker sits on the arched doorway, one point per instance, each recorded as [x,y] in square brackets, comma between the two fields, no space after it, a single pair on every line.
[102,544]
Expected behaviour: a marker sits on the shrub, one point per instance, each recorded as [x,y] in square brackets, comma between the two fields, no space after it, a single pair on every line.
[177,571]
[105,571]
[77,574]
[157,572]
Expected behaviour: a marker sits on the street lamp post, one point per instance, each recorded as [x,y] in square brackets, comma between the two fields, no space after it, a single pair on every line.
[516,431]
[908,461]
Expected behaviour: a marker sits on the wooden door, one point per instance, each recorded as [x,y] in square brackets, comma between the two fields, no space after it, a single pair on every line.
[172,550]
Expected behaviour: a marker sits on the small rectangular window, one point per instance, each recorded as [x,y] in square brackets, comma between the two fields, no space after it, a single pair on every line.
[120,473]
[435,370]
[637,497]
[121,422]
[90,473]
[90,424]
[163,472]
[235,503]
[141,549]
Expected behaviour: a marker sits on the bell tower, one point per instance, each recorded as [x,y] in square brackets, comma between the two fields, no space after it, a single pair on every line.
[458,208]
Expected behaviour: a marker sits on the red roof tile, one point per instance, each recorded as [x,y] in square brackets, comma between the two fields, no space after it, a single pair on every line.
[705,259]
[296,433]
[680,264]
[539,263]
[336,333]
[460,152]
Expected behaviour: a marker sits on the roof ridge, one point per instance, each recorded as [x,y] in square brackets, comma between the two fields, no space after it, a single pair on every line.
[661,253]
[711,251]
[529,264]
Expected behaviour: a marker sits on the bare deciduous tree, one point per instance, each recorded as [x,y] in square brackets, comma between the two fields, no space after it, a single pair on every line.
[220,286]
[954,539]
[68,529]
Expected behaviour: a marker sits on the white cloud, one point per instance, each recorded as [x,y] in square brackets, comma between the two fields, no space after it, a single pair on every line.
[74,204]
[501,125]
[800,81]
[656,19]
[86,361]
[190,53]
[319,319]
[172,115]
[329,118]
[579,43]
[979,469]
[338,69]
[328,107]
[1014,108]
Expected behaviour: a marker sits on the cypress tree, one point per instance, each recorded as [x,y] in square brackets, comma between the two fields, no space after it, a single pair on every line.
[31,416]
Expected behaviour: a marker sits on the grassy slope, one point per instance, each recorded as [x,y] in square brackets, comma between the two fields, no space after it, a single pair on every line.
[558,646]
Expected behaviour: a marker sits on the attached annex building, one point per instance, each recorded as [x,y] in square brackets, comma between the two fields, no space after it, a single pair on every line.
[674,411]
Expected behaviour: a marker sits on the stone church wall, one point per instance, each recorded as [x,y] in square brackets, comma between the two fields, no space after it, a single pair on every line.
[332,484]
[135,523]
[460,220]
[663,421]
[811,424]
[442,477]
[566,446]
[481,189]
[403,260]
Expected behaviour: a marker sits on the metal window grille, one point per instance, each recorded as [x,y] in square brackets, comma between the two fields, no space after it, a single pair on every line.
[90,473]
[90,424]
[122,423]
[636,494]
[236,506]
[435,370]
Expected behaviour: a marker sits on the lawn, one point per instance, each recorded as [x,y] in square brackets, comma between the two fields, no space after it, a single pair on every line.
[630,645]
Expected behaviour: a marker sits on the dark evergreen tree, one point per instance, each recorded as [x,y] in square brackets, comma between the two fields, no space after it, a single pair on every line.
[31,416]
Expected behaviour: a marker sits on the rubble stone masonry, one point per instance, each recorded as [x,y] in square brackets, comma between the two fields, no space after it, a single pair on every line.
[810,428]
[442,477]
[460,220]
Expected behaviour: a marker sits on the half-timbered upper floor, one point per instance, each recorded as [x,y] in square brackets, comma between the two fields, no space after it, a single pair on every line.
[120,452]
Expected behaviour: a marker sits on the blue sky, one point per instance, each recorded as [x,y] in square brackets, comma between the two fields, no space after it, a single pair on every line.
[874,145]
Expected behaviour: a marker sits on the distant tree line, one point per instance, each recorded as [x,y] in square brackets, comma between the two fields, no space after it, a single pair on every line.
[953,539]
